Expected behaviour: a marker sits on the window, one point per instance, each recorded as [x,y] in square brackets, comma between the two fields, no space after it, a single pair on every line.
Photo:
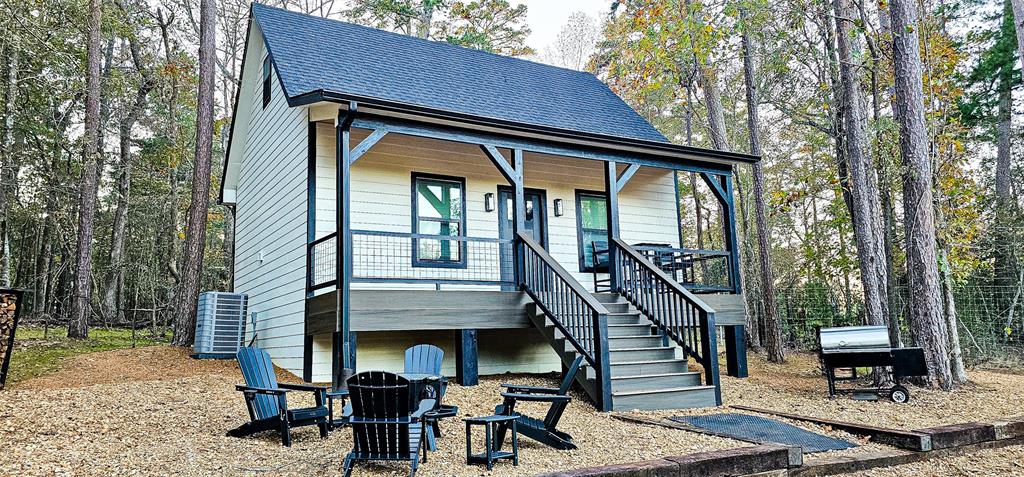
[266,81]
[437,209]
[591,224]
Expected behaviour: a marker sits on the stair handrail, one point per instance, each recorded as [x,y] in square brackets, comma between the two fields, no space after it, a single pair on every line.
[671,307]
[580,317]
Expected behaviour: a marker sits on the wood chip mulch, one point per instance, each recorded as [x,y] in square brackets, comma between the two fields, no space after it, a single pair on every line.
[154,411]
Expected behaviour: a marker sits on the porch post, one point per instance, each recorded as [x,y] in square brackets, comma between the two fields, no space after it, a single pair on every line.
[307,344]
[519,211]
[343,350]
[731,238]
[611,188]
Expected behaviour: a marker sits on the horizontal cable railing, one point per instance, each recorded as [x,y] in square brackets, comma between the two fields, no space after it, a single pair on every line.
[581,319]
[400,257]
[697,270]
[676,312]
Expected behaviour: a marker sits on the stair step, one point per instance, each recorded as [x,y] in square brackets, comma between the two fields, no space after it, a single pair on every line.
[618,307]
[654,381]
[637,368]
[627,318]
[609,298]
[629,329]
[642,354]
[640,341]
[667,398]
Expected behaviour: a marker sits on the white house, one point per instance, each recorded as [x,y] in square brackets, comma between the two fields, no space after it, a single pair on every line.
[474,192]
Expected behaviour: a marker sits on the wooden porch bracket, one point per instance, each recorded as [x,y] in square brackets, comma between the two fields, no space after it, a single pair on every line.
[626,175]
[507,170]
[466,359]
[366,144]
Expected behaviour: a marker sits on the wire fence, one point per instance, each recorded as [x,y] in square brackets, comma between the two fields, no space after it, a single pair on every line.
[990,318]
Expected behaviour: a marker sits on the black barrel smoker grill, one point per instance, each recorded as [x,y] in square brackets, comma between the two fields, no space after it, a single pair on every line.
[852,347]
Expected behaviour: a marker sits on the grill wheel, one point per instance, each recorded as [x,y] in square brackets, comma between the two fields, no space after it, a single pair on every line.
[899,394]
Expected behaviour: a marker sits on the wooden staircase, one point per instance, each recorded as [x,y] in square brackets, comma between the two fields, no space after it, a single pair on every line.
[647,371]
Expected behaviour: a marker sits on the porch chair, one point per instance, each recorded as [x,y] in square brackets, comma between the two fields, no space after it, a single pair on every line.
[267,401]
[599,252]
[384,427]
[427,359]
[544,431]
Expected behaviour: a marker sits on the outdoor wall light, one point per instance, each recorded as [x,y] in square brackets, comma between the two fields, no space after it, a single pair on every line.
[489,202]
[558,208]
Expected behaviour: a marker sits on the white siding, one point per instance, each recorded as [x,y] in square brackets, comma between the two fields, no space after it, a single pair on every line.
[381,192]
[381,200]
[271,218]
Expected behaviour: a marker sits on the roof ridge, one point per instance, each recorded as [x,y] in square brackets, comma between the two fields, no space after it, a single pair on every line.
[442,43]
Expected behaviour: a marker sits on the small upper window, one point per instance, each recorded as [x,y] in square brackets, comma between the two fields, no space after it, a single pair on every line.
[438,204]
[266,81]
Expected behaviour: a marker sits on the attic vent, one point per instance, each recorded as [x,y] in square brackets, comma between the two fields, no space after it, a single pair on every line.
[220,324]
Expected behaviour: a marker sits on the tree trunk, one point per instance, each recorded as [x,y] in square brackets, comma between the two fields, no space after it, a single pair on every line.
[8,166]
[1004,266]
[867,226]
[768,306]
[169,240]
[115,280]
[1018,22]
[78,323]
[926,322]
[195,235]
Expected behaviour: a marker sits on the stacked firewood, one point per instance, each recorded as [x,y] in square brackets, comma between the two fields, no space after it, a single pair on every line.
[8,305]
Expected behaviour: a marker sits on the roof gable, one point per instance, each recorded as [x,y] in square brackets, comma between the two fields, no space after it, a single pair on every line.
[313,54]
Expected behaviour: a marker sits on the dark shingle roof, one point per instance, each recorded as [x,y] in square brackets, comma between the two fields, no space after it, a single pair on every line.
[313,54]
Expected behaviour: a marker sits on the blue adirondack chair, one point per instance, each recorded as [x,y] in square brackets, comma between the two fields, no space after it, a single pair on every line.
[384,425]
[427,359]
[267,401]
[544,431]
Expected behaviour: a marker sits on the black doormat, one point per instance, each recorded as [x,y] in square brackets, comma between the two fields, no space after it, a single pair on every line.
[763,431]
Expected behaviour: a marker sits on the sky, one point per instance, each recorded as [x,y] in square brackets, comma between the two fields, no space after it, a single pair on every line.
[546,17]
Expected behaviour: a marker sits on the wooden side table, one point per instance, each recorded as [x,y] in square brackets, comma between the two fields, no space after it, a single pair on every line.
[492,451]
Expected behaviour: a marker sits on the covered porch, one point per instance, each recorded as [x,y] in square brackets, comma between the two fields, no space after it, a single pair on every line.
[432,218]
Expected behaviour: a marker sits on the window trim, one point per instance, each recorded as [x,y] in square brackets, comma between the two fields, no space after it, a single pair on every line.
[580,193]
[268,73]
[463,245]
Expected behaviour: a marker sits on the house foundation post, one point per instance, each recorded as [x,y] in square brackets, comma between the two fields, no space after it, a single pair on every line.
[467,372]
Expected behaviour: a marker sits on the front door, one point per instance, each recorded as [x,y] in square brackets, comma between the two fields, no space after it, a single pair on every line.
[536,223]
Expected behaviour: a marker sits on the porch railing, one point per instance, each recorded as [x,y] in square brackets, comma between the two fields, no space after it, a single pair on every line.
[398,257]
[674,310]
[574,311]
[697,270]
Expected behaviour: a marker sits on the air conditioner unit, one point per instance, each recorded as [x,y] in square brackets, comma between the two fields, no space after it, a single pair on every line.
[220,324]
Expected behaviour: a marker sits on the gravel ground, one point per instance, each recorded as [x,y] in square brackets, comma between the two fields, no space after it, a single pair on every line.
[125,426]
[154,411]
[1007,461]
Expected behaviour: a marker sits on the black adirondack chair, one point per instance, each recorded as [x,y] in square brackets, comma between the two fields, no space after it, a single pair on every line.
[544,431]
[384,425]
[267,399]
